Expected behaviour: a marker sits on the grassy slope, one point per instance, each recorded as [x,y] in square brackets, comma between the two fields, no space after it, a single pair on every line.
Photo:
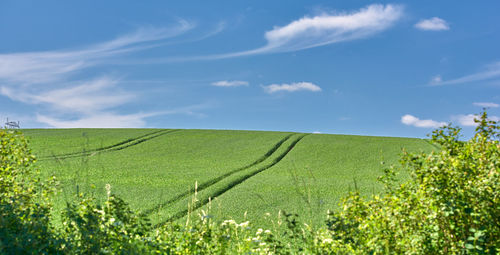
[149,173]
[48,142]
[314,176]
[257,172]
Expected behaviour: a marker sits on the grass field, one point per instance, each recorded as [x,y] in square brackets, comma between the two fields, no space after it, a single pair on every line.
[248,172]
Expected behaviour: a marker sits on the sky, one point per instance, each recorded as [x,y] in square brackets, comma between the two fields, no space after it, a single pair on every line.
[399,68]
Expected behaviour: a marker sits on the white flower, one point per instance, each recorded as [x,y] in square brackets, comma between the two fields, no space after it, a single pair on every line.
[229,222]
[327,240]
[244,224]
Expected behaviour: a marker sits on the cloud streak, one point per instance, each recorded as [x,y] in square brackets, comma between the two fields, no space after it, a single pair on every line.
[292,87]
[309,32]
[51,66]
[88,97]
[491,71]
[229,83]
[433,24]
[111,119]
[411,120]
[486,105]
[45,79]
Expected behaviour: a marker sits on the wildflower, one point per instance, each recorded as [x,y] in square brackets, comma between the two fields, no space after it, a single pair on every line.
[327,240]
[244,224]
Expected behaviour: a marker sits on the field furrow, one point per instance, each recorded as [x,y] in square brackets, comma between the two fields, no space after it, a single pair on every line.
[214,181]
[115,147]
[229,174]
[224,185]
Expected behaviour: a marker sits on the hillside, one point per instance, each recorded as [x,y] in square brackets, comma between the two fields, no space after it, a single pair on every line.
[250,172]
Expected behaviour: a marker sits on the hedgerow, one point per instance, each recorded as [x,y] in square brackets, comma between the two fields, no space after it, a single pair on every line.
[450,205]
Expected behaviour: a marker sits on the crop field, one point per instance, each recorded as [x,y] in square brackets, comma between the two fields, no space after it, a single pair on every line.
[236,174]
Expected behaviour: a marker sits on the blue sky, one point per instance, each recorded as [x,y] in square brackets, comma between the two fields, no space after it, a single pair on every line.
[343,67]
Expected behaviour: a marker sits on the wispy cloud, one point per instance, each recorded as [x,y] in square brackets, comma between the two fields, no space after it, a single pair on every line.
[51,66]
[411,120]
[46,79]
[87,97]
[486,105]
[230,83]
[102,120]
[432,24]
[491,71]
[309,32]
[292,87]
[110,119]
[315,31]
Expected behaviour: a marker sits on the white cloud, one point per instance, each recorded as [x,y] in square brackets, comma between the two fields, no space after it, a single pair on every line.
[324,29]
[491,71]
[113,120]
[51,66]
[316,132]
[45,79]
[101,120]
[88,97]
[230,83]
[298,86]
[468,119]
[411,120]
[486,105]
[432,24]
[309,32]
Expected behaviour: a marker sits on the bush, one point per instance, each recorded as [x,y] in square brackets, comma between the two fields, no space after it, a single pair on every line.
[24,201]
[451,204]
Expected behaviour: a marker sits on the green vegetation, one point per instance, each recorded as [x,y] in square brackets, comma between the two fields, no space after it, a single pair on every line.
[50,142]
[313,177]
[251,173]
[447,202]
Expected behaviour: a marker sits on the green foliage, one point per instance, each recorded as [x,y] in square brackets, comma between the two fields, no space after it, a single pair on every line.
[157,176]
[24,201]
[451,204]
[91,228]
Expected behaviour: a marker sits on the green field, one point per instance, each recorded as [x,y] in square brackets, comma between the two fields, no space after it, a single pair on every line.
[247,172]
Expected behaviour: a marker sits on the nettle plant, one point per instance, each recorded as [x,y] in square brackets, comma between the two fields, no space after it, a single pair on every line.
[451,204]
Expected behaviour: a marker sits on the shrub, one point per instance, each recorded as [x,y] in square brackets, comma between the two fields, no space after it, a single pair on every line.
[451,204]
[24,201]
[91,228]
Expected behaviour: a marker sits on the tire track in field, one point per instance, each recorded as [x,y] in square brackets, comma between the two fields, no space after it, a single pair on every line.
[214,181]
[115,147]
[238,181]
[102,148]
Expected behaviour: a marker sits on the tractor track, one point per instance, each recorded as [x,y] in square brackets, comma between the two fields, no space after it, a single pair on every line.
[115,147]
[236,182]
[214,181]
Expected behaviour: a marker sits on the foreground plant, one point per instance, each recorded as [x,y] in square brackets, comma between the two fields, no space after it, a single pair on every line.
[451,204]
[24,199]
